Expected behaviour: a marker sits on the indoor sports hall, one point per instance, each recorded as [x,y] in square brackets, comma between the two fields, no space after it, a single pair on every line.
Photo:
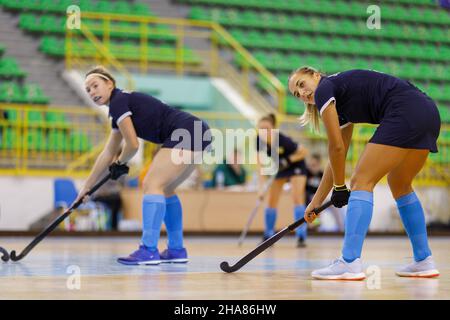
[98,201]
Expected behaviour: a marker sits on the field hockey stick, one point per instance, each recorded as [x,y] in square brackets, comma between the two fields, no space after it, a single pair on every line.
[255,209]
[52,226]
[225,266]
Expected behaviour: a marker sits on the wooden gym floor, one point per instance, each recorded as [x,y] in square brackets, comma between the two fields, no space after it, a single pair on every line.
[281,273]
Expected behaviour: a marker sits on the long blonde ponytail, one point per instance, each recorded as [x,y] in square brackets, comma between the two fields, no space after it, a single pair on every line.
[311,115]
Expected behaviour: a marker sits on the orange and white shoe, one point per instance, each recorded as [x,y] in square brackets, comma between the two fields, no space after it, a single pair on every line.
[339,269]
[421,269]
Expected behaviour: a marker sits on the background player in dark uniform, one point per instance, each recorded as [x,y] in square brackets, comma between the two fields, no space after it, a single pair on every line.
[409,125]
[314,176]
[183,138]
[291,169]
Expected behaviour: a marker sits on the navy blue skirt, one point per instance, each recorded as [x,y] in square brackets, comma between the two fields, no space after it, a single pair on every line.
[190,134]
[411,121]
[295,169]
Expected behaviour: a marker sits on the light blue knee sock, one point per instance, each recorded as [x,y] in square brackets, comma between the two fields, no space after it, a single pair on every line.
[299,212]
[357,221]
[413,219]
[270,219]
[153,210]
[174,222]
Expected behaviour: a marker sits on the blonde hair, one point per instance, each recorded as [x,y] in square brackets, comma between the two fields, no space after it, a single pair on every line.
[103,73]
[311,114]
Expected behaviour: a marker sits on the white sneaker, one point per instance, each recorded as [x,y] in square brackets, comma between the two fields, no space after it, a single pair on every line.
[421,269]
[341,270]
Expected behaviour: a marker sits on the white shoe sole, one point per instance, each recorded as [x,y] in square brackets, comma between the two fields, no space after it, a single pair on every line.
[175,261]
[149,263]
[344,276]
[419,274]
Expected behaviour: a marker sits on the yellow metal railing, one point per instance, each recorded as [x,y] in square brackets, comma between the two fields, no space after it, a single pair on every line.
[103,56]
[45,141]
[49,141]
[211,56]
[436,171]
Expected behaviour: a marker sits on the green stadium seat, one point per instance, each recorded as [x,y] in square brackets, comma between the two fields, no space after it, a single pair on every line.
[437,34]
[361,63]
[391,29]
[409,70]
[141,9]
[27,21]
[250,19]
[79,142]
[379,65]
[50,23]
[58,6]
[54,118]
[121,7]
[11,92]
[251,39]
[440,72]
[34,94]
[300,23]
[353,46]
[444,113]
[127,50]
[52,46]
[11,115]
[35,117]
[58,140]
[9,138]
[10,69]
[348,27]
[294,106]
[36,139]
[198,13]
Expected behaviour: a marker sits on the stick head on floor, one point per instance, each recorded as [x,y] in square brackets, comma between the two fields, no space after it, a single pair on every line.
[5,255]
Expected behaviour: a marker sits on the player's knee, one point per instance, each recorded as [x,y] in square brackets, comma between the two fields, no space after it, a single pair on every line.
[358,182]
[153,186]
[272,203]
[399,192]
[398,187]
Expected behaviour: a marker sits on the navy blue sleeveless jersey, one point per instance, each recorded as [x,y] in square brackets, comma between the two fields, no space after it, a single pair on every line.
[312,184]
[408,118]
[155,121]
[286,147]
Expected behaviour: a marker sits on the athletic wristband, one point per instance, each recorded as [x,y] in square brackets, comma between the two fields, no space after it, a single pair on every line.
[339,185]
[340,188]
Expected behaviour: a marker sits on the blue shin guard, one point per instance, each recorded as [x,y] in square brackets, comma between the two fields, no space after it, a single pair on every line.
[299,212]
[357,221]
[270,217]
[174,222]
[153,210]
[413,219]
